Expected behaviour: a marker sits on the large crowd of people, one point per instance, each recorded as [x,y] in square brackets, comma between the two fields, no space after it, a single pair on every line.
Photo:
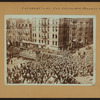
[52,69]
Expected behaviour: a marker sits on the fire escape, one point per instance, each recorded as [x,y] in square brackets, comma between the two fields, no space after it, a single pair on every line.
[44,31]
[74,27]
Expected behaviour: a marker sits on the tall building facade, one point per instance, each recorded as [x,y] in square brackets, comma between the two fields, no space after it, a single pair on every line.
[52,33]
[45,31]
[18,30]
[81,32]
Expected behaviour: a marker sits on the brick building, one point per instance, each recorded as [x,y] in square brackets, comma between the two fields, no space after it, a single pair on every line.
[52,33]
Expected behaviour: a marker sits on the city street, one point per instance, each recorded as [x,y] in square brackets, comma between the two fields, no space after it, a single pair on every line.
[82,79]
[49,50]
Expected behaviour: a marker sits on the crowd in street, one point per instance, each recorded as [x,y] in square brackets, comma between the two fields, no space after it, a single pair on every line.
[53,69]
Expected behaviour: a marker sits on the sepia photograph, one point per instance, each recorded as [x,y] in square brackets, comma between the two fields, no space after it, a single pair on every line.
[50,49]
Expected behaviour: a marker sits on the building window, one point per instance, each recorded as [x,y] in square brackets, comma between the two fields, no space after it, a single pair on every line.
[56,36]
[45,22]
[48,42]
[53,28]
[35,40]
[86,22]
[42,28]
[56,43]
[52,35]
[48,21]
[39,35]
[48,35]
[42,41]
[22,25]
[26,33]
[48,28]
[39,41]
[52,42]
[35,35]
[29,25]
[56,28]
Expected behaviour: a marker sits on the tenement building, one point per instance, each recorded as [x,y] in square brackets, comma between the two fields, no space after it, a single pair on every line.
[45,31]
[52,33]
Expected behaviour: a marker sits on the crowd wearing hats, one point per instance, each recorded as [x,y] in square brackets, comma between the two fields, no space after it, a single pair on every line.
[53,69]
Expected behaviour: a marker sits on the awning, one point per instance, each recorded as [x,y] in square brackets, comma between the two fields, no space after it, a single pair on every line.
[33,42]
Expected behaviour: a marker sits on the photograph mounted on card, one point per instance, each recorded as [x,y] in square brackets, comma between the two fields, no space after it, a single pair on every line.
[50,49]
